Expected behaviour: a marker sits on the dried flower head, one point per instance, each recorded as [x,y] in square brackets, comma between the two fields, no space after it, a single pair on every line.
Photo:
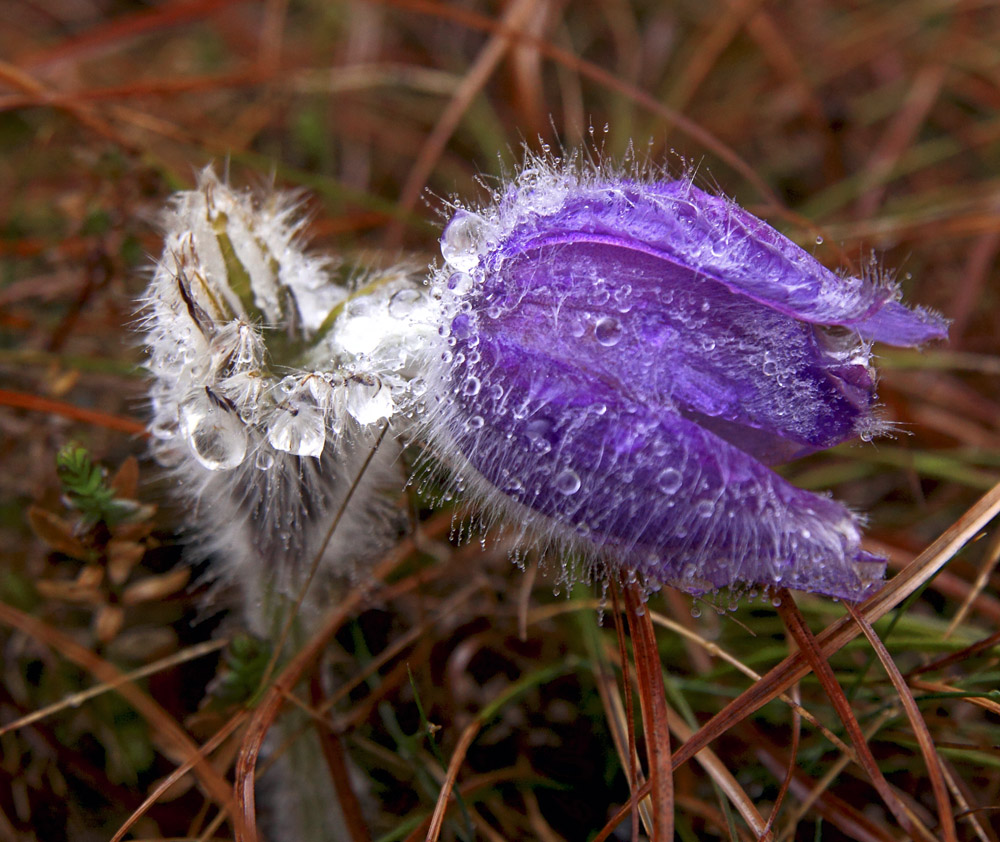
[625,357]
[264,417]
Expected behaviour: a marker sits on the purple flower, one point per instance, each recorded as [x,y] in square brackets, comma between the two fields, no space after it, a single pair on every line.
[627,358]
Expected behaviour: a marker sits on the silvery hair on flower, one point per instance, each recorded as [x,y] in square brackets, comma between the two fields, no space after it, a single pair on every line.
[263,419]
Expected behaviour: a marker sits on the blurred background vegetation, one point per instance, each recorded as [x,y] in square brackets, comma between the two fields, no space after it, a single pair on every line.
[853,126]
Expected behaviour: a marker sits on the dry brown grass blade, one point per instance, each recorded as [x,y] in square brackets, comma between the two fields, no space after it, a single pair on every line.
[653,704]
[608,80]
[941,687]
[333,753]
[803,636]
[457,758]
[203,753]
[727,782]
[114,32]
[717,651]
[719,35]
[633,758]
[992,558]
[946,817]
[36,403]
[77,699]
[816,796]
[793,752]
[163,728]
[517,15]
[957,657]
[619,727]
[835,636]
[270,705]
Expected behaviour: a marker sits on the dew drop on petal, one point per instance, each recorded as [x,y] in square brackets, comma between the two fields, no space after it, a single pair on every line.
[471,386]
[217,438]
[264,460]
[460,283]
[462,242]
[568,482]
[300,431]
[669,480]
[608,331]
[368,400]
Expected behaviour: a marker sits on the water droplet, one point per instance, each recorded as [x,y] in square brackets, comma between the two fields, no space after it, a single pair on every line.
[770,368]
[368,400]
[217,438]
[476,422]
[537,432]
[403,302]
[623,298]
[299,430]
[264,460]
[704,508]
[819,240]
[471,386]
[600,294]
[462,242]
[696,611]
[669,480]
[460,283]
[568,482]
[608,331]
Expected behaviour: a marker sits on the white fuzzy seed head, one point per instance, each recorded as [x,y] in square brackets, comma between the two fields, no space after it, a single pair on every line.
[261,408]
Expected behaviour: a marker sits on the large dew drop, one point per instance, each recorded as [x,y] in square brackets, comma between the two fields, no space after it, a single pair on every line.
[669,480]
[568,482]
[463,242]
[299,430]
[216,436]
[608,331]
[368,400]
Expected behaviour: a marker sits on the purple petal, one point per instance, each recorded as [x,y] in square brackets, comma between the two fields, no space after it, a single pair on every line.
[676,222]
[654,491]
[897,325]
[674,340]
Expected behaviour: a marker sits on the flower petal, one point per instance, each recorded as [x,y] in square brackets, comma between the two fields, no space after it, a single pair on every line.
[675,221]
[674,340]
[654,491]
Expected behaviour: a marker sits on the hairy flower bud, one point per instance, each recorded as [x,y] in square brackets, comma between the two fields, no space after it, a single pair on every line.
[265,420]
[626,358]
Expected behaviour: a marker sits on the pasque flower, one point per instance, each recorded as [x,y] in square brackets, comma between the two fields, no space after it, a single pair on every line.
[627,358]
